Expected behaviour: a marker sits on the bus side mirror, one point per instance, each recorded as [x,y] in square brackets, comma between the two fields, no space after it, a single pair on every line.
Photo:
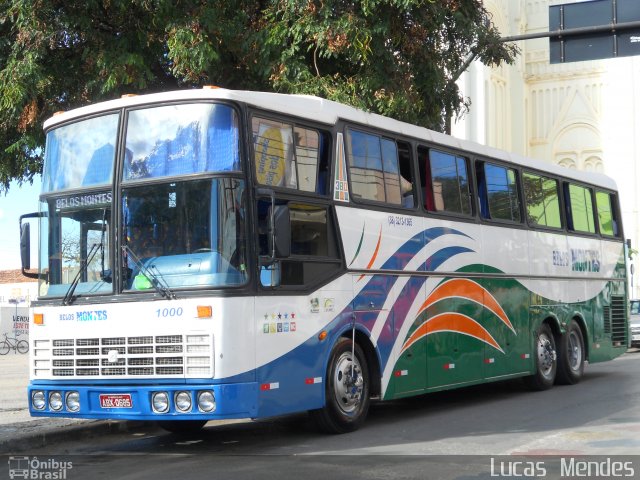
[25,243]
[25,246]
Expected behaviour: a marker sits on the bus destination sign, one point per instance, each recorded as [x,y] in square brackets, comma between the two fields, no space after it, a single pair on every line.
[83,201]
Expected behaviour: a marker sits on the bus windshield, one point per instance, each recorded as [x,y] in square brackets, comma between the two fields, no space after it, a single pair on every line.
[184,234]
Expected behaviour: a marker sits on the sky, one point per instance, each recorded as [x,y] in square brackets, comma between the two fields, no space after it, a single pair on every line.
[18,201]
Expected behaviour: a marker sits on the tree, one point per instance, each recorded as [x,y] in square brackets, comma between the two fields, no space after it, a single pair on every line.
[393,57]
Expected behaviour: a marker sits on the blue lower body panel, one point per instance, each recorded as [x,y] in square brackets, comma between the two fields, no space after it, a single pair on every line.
[233,400]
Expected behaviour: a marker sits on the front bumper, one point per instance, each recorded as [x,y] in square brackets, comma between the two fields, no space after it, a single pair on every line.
[235,400]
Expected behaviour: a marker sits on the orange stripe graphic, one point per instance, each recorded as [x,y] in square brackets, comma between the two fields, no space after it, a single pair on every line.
[465,288]
[452,322]
[375,253]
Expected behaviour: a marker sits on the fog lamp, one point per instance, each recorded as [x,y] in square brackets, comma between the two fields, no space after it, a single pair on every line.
[55,401]
[183,401]
[38,400]
[72,401]
[160,402]
[206,401]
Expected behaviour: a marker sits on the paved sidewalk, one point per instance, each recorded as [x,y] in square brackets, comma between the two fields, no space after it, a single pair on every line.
[20,431]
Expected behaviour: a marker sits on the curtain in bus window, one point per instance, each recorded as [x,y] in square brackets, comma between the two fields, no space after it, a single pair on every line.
[502,193]
[80,154]
[181,139]
[307,155]
[541,198]
[605,214]
[581,209]
[222,142]
[450,183]
[365,166]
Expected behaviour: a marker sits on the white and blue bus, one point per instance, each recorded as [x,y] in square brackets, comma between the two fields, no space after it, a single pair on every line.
[215,254]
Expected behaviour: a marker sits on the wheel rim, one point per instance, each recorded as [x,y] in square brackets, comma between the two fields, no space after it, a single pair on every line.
[574,353]
[546,355]
[348,386]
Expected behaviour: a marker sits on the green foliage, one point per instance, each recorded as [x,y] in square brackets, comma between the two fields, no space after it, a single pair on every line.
[393,57]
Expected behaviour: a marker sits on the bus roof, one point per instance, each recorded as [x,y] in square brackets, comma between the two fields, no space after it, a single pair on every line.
[328,112]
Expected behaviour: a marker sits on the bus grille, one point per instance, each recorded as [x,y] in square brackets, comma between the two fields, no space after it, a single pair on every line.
[189,356]
[618,324]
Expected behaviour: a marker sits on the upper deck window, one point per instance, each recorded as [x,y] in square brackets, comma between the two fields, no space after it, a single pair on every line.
[181,139]
[80,154]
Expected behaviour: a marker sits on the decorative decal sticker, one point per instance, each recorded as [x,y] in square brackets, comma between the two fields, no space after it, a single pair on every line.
[359,245]
[315,305]
[375,254]
[341,187]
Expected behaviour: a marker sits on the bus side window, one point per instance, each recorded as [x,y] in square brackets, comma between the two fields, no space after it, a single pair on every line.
[450,183]
[606,214]
[541,200]
[374,168]
[579,201]
[501,187]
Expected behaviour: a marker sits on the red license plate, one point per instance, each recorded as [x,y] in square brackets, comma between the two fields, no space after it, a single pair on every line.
[122,400]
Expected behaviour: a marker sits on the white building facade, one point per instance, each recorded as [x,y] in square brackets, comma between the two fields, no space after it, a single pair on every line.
[583,115]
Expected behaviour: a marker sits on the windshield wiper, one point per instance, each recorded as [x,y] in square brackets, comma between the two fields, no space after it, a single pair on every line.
[154,279]
[68,297]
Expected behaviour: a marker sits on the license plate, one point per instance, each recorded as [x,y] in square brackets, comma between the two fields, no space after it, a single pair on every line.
[122,400]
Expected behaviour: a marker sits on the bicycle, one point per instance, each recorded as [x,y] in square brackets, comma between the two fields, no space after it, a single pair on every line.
[21,346]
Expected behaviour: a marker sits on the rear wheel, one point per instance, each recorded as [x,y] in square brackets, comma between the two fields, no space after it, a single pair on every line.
[546,360]
[571,355]
[182,427]
[4,348]
[346,390]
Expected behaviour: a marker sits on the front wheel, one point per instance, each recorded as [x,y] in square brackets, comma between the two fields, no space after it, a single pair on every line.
[571,355]
[23,346]
[546,360]
[4,348]
[346,390]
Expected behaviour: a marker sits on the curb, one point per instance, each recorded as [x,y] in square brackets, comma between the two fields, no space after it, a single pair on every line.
[42,437]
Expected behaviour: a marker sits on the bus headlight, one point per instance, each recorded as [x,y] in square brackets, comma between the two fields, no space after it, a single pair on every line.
[183,401]
[72,401]
[206,401]
[160,402]
[55,401]
[38,400]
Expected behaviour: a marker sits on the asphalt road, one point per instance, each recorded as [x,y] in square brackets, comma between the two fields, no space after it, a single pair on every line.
[455,434]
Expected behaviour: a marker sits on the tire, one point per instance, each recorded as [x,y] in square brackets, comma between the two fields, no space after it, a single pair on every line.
[182,427]
[346,400]
[571,355]
[546,360]
[23,346]
[4,348]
